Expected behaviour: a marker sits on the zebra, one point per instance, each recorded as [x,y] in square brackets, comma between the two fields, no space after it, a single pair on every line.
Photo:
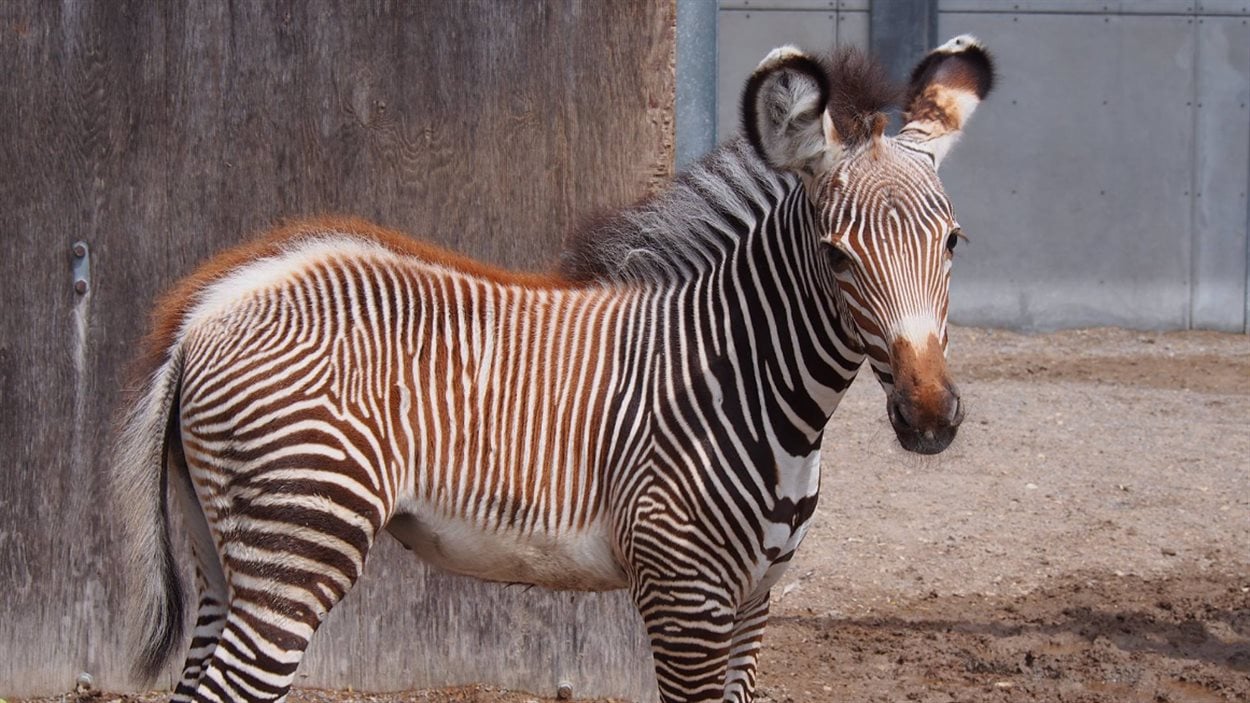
[648,417]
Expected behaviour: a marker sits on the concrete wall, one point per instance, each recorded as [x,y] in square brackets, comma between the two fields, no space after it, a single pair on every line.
[1104,183]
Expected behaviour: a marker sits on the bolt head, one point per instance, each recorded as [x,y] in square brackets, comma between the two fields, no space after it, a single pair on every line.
[564,692]
[80,287]
[80,249]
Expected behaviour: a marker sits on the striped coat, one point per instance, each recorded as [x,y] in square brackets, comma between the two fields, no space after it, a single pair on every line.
[648,418]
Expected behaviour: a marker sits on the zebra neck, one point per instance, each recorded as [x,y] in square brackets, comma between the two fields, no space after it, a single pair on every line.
[760,335]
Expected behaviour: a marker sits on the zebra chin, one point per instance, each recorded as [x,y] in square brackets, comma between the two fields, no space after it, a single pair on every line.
[929,435]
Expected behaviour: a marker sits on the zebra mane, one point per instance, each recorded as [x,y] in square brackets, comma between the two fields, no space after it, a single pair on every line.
[687,226]
[859,90]
[683,229]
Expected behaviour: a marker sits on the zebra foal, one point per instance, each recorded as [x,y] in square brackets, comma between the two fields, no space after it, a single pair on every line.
[648,418]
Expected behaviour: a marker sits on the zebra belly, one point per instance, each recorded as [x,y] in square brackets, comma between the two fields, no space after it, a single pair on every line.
[573,560]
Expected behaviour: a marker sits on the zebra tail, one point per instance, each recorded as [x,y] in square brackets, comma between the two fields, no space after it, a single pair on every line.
[140,476]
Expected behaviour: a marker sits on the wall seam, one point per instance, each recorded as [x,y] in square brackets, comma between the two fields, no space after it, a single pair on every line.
[1194,158]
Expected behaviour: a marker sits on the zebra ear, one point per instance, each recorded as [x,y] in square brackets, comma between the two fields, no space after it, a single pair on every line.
[784,116]
[946,87]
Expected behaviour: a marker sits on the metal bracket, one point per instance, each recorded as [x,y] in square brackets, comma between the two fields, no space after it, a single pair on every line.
[82,268]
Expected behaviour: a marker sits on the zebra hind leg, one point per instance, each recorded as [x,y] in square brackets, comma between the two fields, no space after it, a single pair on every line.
[210,580]
[290,556]
[210,620]
[744,652]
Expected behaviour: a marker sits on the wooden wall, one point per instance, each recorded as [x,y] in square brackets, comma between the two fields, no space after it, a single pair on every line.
[159,133]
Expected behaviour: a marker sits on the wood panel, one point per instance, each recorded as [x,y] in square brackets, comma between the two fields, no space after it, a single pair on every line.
[161,132]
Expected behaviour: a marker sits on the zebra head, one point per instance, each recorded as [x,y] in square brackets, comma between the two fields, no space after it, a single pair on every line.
[886,223]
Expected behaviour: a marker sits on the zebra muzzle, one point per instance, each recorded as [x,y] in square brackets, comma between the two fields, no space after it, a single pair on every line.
[926,429]
[923,403]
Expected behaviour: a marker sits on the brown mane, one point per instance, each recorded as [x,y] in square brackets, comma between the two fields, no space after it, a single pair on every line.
[859,89]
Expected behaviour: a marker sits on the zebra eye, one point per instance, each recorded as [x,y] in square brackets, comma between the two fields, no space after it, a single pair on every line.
[953,239]
[840,260]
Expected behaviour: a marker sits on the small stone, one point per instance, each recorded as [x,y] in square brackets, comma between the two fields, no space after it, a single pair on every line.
[1168,552]
[84,682]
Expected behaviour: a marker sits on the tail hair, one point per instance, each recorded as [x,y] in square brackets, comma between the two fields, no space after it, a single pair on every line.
[139,481]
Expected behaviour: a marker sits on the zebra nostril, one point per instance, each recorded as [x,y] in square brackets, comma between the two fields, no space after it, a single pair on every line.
[897,416]
[956,414]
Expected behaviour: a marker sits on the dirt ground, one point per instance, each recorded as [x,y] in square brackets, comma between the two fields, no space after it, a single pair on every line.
[1085,539]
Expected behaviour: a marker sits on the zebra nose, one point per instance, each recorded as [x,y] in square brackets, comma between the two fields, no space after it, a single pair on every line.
[926,429]
[903,411]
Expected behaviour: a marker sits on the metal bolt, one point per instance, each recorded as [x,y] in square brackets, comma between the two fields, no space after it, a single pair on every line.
[564,692]
[81,267]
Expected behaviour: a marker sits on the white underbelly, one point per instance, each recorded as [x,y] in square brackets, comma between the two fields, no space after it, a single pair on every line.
[581,560]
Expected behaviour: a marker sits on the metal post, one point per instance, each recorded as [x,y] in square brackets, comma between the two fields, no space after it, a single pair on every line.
[901,32]
[695,107]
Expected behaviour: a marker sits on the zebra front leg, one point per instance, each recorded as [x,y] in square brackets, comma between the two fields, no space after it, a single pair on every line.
[748,634]
[690,626]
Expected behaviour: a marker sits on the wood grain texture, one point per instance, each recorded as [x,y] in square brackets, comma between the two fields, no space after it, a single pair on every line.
[160,133]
